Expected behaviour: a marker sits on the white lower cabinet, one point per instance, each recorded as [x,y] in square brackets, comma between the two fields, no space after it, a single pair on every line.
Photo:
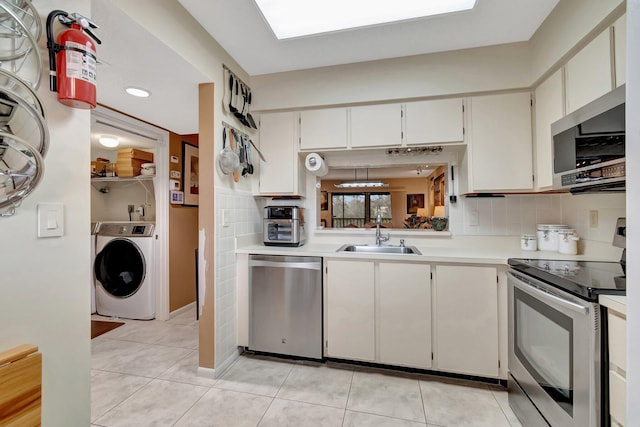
[617,335]
[404,314]
[466,320]
[379,312]
[350,309]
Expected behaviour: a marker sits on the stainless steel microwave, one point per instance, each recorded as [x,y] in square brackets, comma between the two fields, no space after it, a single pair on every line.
[589,146]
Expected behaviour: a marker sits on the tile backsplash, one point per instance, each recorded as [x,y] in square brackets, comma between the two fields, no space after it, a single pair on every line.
[237,213]
[508,215]
[513,215]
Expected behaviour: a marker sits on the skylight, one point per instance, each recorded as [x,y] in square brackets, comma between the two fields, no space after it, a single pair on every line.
[296,18]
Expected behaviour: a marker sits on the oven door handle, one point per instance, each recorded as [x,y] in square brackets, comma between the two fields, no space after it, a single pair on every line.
[547,296]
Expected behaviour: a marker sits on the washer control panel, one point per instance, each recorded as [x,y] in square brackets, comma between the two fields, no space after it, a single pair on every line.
[126,229]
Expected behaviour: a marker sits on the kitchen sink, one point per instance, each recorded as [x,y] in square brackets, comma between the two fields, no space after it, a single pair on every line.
[373,249]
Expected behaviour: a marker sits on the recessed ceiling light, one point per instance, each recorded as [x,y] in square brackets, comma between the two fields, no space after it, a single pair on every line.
[136,91]
[295,18]
[109,141]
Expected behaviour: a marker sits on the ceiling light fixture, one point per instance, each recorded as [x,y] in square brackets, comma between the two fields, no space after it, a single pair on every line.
[361,184]
[109,141]
[139,92]
[414,151]
[295,18]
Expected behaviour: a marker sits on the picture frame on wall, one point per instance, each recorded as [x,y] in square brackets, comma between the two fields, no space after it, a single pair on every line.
[190,174]
[414,202]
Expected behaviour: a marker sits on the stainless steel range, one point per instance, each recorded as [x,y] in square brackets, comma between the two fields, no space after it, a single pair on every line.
[556,336]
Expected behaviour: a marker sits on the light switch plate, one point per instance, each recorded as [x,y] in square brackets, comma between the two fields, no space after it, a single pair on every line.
[50,219]
[177,197]
[175,174]
[473,219]
[593,219]
[175,159]
[174,185]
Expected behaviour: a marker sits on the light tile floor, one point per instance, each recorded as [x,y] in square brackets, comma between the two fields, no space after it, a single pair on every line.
[144,374]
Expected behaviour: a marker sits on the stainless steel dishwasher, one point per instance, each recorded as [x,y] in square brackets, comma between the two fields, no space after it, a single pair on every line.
[285,305]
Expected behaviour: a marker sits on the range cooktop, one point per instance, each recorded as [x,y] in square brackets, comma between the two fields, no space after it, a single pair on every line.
[585,279]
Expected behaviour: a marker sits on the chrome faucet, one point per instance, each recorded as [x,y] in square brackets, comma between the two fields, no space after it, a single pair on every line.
[379,237]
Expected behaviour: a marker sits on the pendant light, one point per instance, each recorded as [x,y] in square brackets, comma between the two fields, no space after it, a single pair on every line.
[361,184]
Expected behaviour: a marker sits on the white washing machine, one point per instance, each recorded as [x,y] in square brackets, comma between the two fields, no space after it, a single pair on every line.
[123,270]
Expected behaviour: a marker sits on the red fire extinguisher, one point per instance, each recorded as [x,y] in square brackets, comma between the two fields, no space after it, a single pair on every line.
[72,60]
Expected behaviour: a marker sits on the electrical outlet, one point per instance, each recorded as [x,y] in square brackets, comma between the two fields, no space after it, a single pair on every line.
[593,219]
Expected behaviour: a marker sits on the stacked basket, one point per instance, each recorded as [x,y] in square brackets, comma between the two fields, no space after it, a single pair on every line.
[24,137]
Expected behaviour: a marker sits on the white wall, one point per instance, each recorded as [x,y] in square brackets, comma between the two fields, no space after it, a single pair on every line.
[633,211]
[436,75]
[45,282]
[112,206]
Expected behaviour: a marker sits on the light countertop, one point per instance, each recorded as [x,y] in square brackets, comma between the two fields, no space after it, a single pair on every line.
[614,302]
[429,254]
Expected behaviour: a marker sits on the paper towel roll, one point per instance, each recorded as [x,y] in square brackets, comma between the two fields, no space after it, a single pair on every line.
[316,164]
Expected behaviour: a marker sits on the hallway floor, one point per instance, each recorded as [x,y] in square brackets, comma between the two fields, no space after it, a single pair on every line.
[144,374]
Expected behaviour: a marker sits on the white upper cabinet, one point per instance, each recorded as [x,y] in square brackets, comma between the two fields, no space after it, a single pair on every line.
[323,129]
[434,122]
[548,108]
[620,51]
[376,126]
[500,143]
[588,73]
[281,174]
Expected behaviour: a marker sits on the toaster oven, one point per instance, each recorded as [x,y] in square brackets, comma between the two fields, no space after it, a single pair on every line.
[284,226]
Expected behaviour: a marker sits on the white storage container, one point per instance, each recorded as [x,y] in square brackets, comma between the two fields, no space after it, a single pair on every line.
[548,236]
[529,242]
[568,241]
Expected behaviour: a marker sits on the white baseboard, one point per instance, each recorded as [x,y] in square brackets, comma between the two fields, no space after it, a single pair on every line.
[216,373]
[206,373]
[181,310]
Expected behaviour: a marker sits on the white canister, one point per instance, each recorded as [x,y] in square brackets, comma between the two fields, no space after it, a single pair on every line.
[529,242]
[568,242]
[548,236]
